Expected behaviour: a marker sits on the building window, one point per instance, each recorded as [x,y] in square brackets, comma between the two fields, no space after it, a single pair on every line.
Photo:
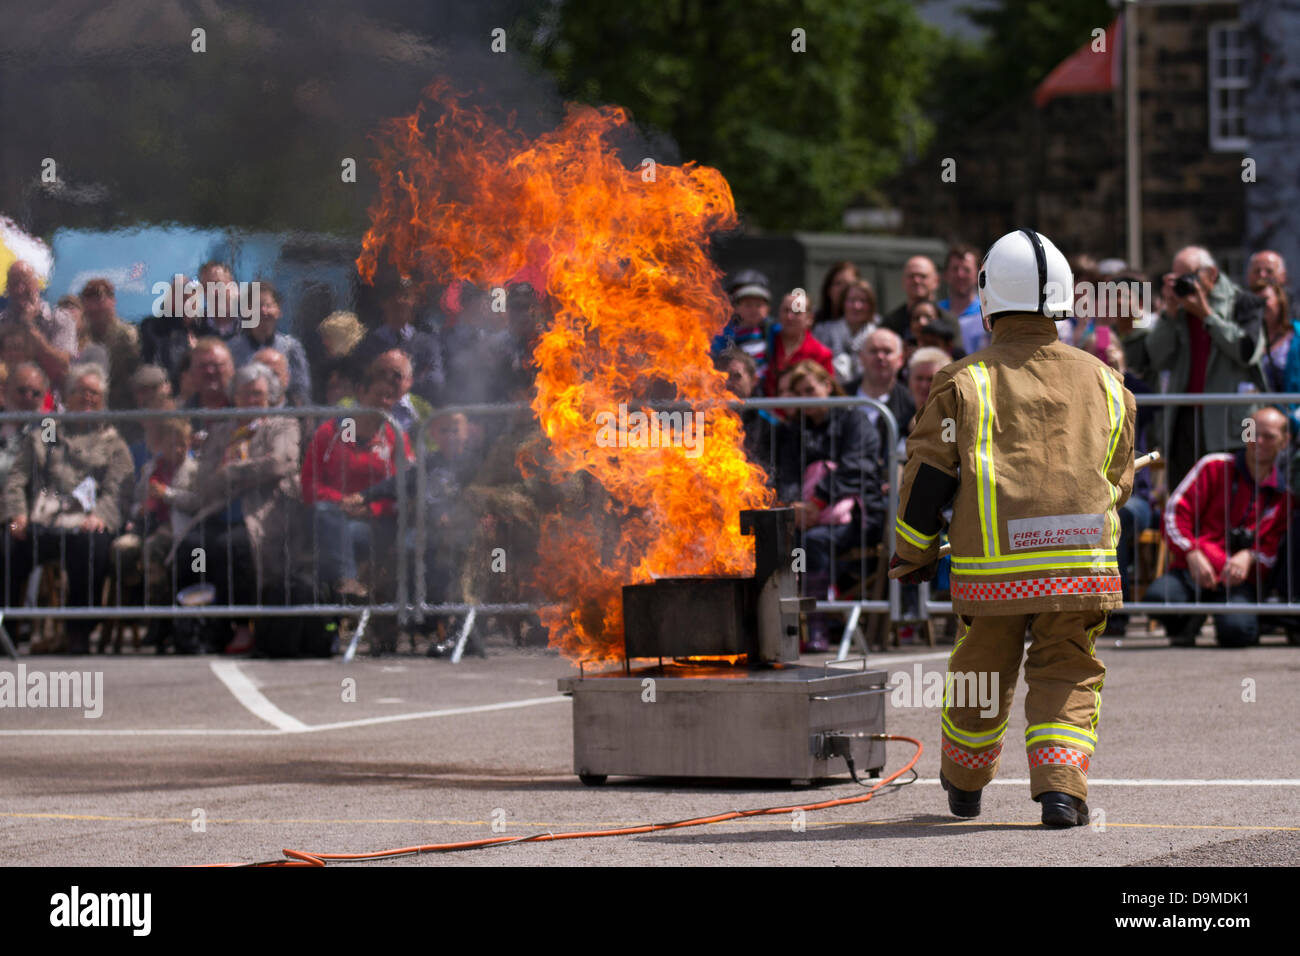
[1227,85]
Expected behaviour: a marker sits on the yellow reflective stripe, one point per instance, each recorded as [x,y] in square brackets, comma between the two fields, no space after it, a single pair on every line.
[1116,410]
[986,480]
[1076,736]
[1087,557]
[1110,565]
[973,740]
[912,536]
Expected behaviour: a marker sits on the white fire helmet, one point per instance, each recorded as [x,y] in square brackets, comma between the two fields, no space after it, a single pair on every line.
[1024,272]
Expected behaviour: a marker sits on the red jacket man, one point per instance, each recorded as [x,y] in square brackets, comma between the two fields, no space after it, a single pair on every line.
[1224,524]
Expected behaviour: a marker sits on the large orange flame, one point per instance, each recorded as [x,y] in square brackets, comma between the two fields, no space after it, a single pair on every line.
[622,253]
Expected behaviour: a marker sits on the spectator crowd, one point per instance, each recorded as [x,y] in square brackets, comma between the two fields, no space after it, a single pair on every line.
[262,506]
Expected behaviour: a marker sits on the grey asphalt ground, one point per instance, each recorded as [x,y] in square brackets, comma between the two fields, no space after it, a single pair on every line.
[1178,743]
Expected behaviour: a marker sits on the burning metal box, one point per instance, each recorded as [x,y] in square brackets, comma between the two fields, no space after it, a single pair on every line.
[758,715]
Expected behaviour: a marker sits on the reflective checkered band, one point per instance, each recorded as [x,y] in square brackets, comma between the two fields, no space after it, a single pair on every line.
[1041,756]
[1033,587]
[964,758]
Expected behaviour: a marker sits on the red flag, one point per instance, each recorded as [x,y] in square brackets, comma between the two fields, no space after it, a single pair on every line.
[1085,70]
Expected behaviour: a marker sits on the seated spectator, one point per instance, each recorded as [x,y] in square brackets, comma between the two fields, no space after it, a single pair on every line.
[164,503]
[398,302]
[25,390]
[210,374]
[747,329]
[150,390]
[960,270]
[830,471]
[921,369]
[51,336]
[920,284]
[831,304]
[881,357]
[63,502]
[1224,525]
[760,424]
[793,342]
[118,339]
[346,456]
[249,341]
[929,328]
[448,469]
[842,335]
[248,496]
[278,364]
[1209,340]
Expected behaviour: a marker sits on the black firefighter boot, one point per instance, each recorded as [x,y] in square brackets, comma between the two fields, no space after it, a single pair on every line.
[962,803]
[1062,810]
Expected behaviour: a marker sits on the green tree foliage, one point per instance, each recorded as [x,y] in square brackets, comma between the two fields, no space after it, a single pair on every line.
[799,135]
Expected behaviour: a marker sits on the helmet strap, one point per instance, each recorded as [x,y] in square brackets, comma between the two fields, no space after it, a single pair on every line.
[1040,256]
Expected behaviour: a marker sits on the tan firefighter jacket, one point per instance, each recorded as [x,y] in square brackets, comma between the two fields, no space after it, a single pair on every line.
[1034,438]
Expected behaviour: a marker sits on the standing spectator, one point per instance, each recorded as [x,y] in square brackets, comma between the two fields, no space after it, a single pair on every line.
[345,457]
[479,349]
[1209,340]
[221,306]
[794,342]
[1264,266]
[751,299]
[838,277]
[882,359]
[843,335]
[959,272]
[51,337]
[399,299]
[1224,524]
[265,335]
[119,340]
[63,502]
[920,284]
[1282,352]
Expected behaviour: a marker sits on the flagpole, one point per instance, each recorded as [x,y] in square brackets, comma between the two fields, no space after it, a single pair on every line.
[1132,156]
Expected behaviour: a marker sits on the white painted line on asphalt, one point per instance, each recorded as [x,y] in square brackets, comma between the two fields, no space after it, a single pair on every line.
[448,712]
[301,728]
[237,683]
[160,732]
[1119,782]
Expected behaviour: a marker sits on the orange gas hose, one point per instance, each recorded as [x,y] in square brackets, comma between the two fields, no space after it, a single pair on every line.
[303,858]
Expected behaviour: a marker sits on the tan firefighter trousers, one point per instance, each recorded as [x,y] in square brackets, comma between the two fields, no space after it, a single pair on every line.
[1062,706]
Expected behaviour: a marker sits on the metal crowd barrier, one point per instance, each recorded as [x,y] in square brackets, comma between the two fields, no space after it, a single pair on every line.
[310,417]
[412,602]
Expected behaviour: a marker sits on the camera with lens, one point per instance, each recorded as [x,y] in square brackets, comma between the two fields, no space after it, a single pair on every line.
[1185,285]
[1239,539]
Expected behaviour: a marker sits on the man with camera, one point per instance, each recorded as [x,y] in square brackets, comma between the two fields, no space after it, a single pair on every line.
[1224,524]
[1209,338]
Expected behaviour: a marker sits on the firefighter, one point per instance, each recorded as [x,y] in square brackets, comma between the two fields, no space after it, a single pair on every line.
[1030,442]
